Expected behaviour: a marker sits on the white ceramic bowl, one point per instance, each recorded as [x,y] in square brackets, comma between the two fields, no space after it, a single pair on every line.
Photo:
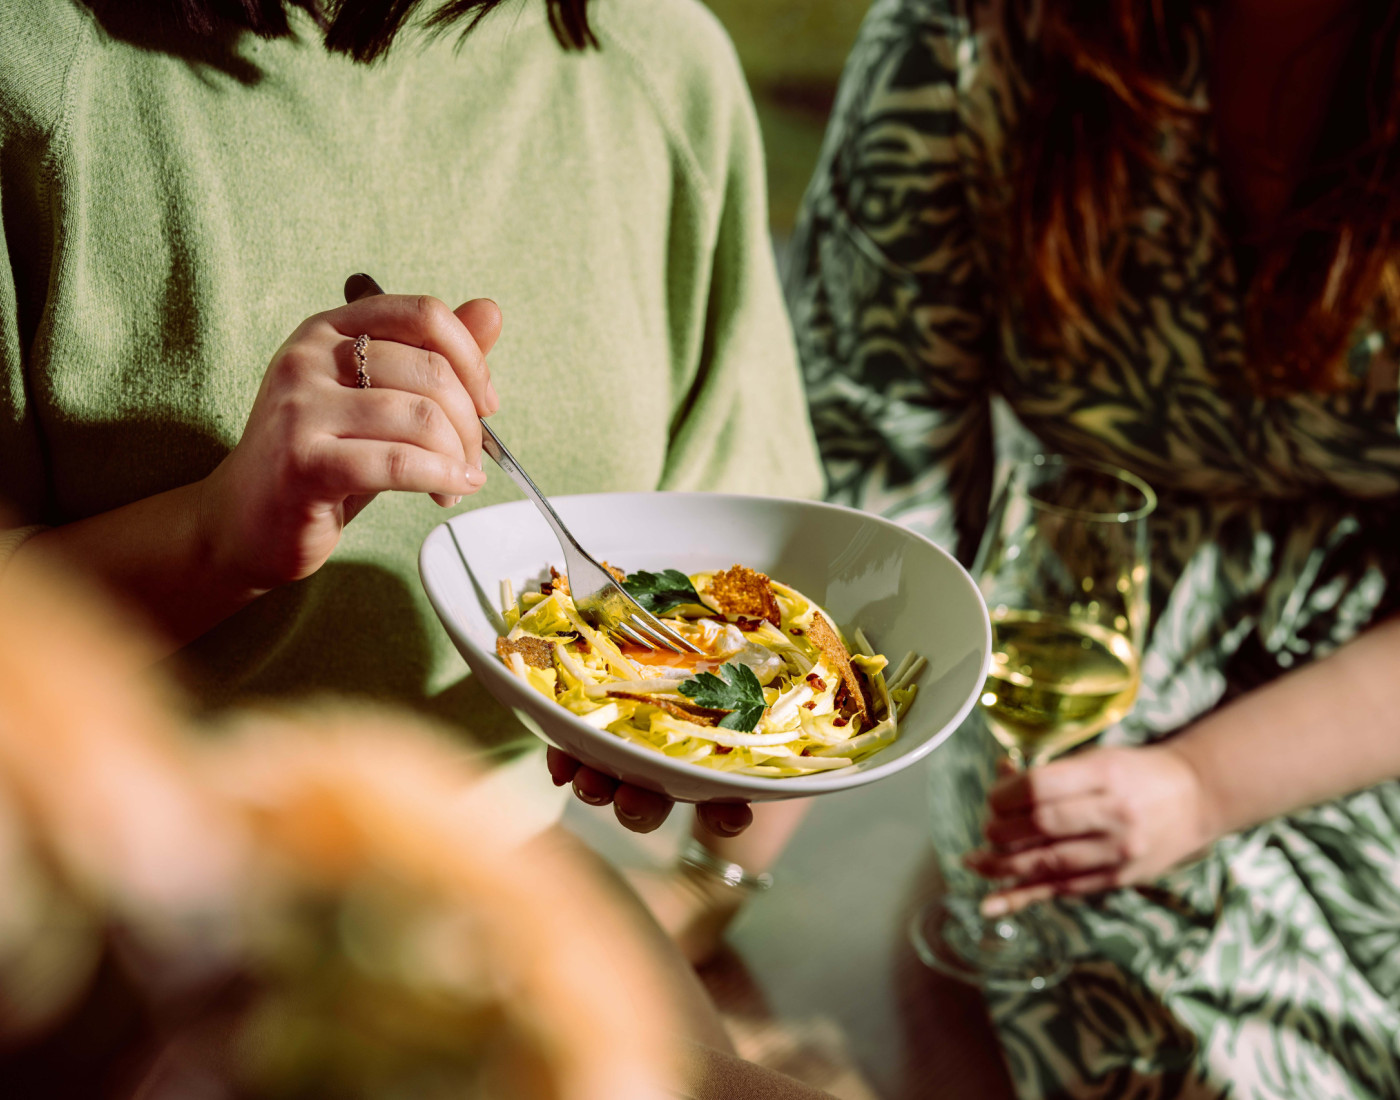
[901,589]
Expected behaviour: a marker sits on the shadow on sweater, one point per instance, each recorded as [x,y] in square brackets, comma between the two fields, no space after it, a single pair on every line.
[352,630]
[154,27]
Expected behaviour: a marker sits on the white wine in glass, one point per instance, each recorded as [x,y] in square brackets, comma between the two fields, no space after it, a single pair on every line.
[1063,567]
[1055,682]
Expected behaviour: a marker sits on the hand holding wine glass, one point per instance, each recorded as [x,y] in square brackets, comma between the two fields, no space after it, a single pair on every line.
[1091,822]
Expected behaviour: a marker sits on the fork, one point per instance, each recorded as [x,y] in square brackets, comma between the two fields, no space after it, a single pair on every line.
[601,601]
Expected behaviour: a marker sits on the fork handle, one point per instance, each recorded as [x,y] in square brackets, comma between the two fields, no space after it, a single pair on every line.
[492,445]
[360,286]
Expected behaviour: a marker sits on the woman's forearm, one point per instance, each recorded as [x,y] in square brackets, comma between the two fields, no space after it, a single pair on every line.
[1323,731]
[154,557]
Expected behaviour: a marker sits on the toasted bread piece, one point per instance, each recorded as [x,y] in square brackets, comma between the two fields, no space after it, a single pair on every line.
[744,593]
[701,716]
[535,652]
[858,704]
[558,582]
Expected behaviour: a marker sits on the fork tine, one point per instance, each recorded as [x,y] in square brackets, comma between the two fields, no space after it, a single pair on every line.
[655,639]
[669,638]
[632,636]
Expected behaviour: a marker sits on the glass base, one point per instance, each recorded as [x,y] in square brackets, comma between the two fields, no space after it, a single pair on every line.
[1017,953]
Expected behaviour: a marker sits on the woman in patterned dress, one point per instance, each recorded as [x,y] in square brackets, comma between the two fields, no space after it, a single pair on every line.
[1162,235]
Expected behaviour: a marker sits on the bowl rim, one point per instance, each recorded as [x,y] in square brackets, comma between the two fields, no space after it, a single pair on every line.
[648,759]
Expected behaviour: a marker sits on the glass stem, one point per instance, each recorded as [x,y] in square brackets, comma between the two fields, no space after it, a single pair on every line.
[998,930]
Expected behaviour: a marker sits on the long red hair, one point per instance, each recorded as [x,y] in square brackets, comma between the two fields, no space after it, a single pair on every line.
[1105,97]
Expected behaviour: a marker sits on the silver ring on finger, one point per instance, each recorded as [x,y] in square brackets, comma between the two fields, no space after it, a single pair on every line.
[359,348]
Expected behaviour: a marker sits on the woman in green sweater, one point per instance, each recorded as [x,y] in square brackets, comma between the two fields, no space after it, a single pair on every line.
[182,199]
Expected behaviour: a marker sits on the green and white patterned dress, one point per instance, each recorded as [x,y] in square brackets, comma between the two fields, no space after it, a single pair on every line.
[1271,966]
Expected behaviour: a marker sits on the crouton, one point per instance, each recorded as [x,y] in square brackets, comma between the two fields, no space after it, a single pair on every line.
[558,582]
[743,593]
[857,702]
[535,652]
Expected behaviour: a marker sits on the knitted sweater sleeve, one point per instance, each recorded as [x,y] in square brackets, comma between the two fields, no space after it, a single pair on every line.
[40,43]
[739,420]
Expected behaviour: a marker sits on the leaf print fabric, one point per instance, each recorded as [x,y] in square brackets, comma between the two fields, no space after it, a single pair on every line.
[1270,967]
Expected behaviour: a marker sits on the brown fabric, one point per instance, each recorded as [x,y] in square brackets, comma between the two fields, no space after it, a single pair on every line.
[714,1075]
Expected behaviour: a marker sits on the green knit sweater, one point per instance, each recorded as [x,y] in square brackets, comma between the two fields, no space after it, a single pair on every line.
[171,212]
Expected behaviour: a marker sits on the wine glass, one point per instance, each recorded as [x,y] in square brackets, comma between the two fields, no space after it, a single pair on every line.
[1063,567]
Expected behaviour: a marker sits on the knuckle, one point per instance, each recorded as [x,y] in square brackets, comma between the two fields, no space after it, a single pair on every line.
[295,363]
[432,312]
[298,413]
[1043,817]
[435,372]
[1111,765]
[310,466]
[398,464]
[1048,864]
[423,412]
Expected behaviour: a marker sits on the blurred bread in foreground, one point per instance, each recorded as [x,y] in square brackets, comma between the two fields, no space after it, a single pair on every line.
[288,905]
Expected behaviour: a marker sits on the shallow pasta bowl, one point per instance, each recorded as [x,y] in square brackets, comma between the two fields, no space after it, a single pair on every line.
[903,591]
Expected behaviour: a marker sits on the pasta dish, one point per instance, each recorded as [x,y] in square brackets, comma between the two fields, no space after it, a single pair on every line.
[775,691]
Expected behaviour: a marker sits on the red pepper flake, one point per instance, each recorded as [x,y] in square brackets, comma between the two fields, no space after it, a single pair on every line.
[720,750]
[816,681]
[806,752]
[796,630]
[583,646]
[748,626]
[546,588]
[839,721]
[811,704]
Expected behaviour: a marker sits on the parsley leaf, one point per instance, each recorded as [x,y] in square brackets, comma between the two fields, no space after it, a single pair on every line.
[738,692]
[661,592]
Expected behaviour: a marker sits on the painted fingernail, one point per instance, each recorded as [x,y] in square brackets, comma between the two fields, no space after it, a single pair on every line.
[995,907]
[628,815]
[454,502]
[475,478]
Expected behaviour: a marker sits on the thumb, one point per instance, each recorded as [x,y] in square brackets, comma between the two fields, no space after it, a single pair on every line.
[483,319]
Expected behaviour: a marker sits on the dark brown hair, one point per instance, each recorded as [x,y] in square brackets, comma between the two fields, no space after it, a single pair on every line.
[365,29]
[1104,101]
